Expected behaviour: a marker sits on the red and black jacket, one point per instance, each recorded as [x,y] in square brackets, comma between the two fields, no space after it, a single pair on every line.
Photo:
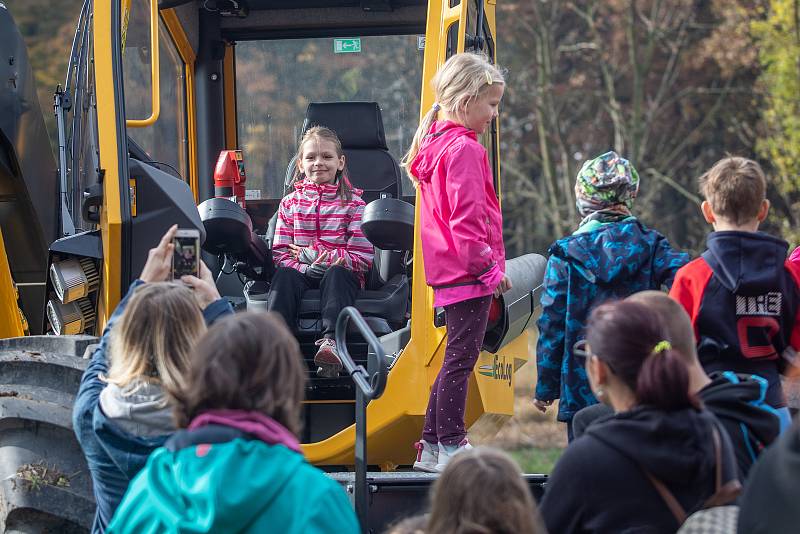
[743,297]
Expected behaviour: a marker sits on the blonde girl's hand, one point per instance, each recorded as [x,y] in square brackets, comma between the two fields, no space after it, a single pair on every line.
[542,405]
[205,290]
[503,286]
[158,266]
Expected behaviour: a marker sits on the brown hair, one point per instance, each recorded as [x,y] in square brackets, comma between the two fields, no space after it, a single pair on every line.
[482,491]
[249,361]
[675,320]
[456,84]
[735,188]
[345,190]
[155,337]
[629,337]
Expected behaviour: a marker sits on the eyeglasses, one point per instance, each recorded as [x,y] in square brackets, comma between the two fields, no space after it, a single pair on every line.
[581,352]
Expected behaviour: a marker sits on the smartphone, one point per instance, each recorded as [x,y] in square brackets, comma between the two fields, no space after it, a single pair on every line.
[186,256]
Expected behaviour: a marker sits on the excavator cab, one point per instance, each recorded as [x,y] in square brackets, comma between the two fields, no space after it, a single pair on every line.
[155,90]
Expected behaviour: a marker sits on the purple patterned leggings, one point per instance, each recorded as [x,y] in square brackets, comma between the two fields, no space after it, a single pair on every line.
[466,326]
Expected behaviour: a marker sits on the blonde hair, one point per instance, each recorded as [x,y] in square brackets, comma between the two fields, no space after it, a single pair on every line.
[458,82]
[735,187]
[345,190]
[482,491]
[155,337]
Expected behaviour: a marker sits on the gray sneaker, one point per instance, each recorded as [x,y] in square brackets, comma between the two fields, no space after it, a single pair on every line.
[327,359]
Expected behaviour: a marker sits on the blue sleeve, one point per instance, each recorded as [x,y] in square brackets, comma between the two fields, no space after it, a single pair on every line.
[552,330]
[219,309]
[91,385]
[666,263]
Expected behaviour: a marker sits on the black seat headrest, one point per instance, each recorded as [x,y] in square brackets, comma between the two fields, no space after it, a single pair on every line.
[358,124]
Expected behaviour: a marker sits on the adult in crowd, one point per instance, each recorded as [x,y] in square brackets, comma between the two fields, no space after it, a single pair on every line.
[482,491]
[121,413]
[236,465]
[737,400]
[660,450]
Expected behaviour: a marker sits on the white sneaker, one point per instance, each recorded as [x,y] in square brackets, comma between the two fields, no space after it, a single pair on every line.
[427,456]
[446,453]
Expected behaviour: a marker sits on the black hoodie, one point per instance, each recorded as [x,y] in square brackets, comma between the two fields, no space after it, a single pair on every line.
[599,484]
[743,298]
[737,401]
[769,503]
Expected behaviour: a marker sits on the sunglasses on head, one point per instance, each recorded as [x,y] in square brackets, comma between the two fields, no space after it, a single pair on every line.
[581,351]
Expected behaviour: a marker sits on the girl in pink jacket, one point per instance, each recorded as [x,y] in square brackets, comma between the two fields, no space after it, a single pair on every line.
[318,241]
[462,237]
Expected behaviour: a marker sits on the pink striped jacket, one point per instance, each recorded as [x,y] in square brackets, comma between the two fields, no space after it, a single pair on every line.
[315,216]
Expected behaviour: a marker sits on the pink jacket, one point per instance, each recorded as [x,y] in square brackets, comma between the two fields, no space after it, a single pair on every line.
[315,216]
[795,256]
[460,219]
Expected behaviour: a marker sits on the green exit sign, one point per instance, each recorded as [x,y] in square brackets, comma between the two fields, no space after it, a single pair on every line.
[349,45]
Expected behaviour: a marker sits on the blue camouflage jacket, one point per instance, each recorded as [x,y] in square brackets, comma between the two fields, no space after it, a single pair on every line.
[585,269]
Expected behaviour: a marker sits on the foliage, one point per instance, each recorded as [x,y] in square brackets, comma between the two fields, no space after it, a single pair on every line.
[779,54]
[537,460]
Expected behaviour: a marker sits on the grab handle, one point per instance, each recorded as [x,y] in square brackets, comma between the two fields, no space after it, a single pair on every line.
[155,95]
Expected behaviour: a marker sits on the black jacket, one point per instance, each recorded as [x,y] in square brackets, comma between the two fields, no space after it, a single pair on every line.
[743,297]
[769,503]
[599,484]
[737,401]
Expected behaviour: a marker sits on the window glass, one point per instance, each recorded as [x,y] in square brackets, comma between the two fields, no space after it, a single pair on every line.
[165,141]
[276,80]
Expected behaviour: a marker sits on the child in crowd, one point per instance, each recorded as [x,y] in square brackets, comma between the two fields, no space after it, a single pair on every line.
[742,295]
[736,400]
[610,255]
[660,450]
[318,241]
[121,412]
[462,237]
[480,491]
[236,466]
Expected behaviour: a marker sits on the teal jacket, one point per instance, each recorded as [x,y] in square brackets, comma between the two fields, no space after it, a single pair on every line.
[241,486]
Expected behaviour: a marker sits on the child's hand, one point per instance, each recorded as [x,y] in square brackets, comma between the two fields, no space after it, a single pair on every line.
[542,405]
[503,286]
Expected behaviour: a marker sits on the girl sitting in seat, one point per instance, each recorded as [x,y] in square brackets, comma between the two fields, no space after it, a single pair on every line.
[318,241]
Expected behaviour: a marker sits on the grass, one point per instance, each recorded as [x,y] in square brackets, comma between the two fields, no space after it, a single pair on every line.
[536,460]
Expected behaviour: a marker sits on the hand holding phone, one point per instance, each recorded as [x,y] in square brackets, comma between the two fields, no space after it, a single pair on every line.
[159,259]
[186,253]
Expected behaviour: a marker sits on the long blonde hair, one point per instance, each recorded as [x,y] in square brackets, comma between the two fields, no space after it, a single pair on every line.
[155,337]
[345,190]
[456,84]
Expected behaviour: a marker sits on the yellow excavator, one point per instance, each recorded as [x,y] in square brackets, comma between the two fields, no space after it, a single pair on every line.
[155,91]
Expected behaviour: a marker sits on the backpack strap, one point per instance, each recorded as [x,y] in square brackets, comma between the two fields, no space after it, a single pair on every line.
[723,493]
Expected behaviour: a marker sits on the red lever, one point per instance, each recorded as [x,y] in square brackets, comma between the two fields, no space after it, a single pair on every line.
[229,176]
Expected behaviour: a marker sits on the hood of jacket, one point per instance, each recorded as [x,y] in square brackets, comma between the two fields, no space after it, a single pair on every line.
[142,412]
[439,137]
[614,252]
[746,263]
[740,397]
[200,489]
[675,447]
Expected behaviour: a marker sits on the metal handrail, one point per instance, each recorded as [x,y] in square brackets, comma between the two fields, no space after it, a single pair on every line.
[155,86]
[369,385]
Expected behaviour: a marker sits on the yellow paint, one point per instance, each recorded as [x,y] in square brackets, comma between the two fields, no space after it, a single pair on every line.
[155,73]
[189,56]
[10,315]
[229,92]
[395,420]
[111,213]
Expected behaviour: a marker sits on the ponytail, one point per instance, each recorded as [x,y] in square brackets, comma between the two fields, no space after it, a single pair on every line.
[422,130]
[663,381]
[457,83]
[630,338]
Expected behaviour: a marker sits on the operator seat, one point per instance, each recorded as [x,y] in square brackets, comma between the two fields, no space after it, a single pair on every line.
[359,126]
